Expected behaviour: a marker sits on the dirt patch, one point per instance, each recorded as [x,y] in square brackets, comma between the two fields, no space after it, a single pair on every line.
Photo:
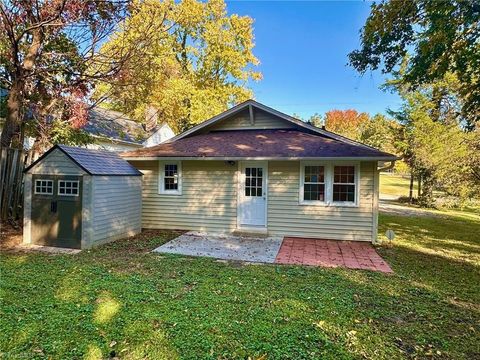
[144,242]
[9,236]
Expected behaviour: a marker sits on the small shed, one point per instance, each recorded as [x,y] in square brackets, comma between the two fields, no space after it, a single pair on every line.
[79,198]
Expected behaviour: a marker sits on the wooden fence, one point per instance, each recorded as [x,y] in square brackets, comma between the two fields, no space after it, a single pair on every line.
[12,164]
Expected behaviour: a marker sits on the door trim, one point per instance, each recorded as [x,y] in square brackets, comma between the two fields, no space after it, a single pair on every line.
[240,189]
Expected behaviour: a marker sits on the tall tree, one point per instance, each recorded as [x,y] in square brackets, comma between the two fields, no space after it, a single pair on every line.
[196,66]
[433,37]
[345,122]
[46,48]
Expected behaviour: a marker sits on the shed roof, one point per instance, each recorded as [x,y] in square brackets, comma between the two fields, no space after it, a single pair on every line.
[94,162]
[276,143]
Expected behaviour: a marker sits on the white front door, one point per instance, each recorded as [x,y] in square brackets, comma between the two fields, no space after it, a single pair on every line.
[253,194]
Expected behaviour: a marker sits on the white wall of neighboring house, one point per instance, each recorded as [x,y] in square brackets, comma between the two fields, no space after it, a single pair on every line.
[159,136]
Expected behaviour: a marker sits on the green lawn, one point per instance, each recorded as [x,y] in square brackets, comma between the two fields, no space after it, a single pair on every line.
[398,185]
[119,300]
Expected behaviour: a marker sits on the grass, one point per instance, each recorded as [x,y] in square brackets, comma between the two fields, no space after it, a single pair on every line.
[121,301]
[398,185]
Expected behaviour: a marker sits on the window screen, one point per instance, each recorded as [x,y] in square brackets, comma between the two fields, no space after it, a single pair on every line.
[68,188]
[253,181]
[44,187]
[314,183]
[344,184]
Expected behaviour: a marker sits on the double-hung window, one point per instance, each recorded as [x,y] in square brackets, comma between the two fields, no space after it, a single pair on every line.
[314,183]
[331,184]
[170,178]
[344,187]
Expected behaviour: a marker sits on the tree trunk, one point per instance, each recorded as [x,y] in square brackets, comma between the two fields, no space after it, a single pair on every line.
[11,134]
[419,190]
[410,195]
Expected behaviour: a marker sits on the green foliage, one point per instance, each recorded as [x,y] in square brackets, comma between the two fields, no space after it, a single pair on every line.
[431,39]
[122,301]
[190,60]
[61,133]
[436,147]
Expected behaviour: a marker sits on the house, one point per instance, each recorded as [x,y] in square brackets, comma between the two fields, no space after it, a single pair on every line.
[255,170]
[79,198]
[114,131]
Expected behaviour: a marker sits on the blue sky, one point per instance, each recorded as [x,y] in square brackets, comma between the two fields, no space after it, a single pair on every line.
[303,47]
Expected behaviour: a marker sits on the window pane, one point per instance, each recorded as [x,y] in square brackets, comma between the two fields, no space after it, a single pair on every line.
[314,174]
[344,174]
[344,193]
[314,192]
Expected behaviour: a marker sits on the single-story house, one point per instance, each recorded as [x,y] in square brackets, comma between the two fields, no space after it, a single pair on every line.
[253,169]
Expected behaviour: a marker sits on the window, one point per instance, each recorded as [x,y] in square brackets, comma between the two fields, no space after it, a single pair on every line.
[314,183]
[328,183]
[344,184]
[253,181]
[44,187]
[170,181]
[67,188]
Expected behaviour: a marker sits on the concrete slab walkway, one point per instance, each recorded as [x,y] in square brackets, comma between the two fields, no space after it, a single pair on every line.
[226,247]
[331,253]
[288,250]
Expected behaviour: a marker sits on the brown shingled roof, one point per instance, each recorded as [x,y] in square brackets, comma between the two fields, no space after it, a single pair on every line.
[259,143]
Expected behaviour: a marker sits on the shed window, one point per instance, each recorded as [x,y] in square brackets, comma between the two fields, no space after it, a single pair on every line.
[170,181]
[44,187]
[67,188]
[344,184]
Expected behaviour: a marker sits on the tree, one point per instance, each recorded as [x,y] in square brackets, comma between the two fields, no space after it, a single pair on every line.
[197,65]
[315,120]
[47,52]
[379,131]
[433,37]
[345,122]
[437,149]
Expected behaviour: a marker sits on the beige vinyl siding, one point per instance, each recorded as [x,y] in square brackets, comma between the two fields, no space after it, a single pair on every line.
[117,207]
[208,201]
[241,121]
[57,163]
[287,217]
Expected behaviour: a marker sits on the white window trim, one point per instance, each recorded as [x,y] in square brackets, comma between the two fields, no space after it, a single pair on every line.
[72,181]
[356,184]
[161,177]
[43,193]
[328,178]
[302,183]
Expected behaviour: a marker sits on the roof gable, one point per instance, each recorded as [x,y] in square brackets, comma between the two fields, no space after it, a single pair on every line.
[93,162]
[251,106]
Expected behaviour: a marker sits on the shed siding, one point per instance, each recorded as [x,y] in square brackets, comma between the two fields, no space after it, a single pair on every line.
[117,207]
[287,217]
[241,121]
[57,163]
[208,201]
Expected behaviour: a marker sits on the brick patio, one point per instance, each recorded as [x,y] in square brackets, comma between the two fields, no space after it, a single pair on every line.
[330,253]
